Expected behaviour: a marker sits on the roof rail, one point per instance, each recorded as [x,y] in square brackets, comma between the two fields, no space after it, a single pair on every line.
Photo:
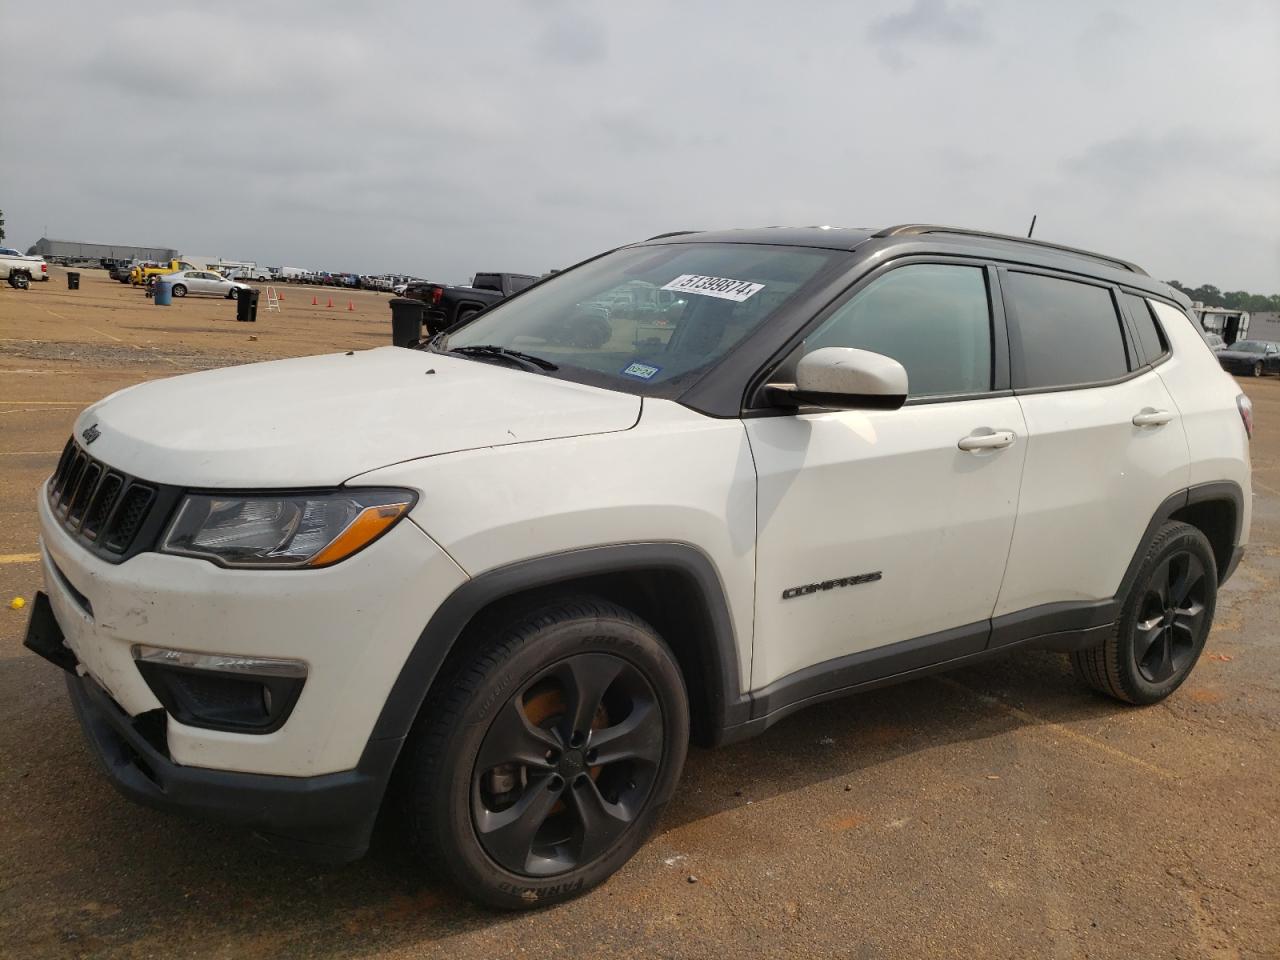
[673,233]
[915,229]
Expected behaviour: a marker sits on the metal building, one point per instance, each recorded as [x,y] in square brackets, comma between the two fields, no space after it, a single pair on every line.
[72,250]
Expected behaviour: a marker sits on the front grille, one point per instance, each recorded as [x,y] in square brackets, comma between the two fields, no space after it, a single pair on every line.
[98,504]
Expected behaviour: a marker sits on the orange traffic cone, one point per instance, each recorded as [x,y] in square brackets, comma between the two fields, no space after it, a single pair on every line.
[331,301]
[314,301]
[350,306]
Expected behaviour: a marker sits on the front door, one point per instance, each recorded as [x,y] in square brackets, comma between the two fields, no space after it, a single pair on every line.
[877,527]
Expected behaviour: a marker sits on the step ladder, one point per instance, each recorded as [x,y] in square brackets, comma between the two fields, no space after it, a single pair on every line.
[273,300]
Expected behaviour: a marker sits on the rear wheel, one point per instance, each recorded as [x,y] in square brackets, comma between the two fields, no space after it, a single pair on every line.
[1163,624]
[541,764]
[19,281]
[1257,368]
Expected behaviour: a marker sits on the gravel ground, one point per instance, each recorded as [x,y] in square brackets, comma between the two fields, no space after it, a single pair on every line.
[998,811]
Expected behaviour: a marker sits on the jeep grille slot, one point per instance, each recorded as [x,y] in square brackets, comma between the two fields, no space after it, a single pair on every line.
[102,507]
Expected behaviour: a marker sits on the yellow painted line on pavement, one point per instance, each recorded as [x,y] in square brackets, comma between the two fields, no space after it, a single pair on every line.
[19,558]
[1027,717]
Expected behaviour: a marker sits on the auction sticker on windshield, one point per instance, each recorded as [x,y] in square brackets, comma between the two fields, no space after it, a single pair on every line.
[722,287]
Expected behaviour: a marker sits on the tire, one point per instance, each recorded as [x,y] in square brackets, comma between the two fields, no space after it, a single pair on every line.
[233,293]
[179,290]
[513,697]
[464,316]
[1257,368]
[1163,624]
[19,281]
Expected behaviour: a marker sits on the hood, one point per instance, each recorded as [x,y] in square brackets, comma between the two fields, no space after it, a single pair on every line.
[318,421]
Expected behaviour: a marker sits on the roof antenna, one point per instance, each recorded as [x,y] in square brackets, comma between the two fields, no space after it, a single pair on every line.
[1033,226]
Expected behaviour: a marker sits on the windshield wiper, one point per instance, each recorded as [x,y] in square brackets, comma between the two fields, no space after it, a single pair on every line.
[526,360]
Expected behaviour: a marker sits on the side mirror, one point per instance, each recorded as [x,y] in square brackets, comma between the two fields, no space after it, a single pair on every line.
[844,378]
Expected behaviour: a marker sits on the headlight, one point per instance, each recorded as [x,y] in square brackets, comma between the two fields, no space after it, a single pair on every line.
[306,530]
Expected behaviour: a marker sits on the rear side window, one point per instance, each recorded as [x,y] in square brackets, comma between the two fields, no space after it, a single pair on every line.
[1150,336]
[1066,334]
[934,319]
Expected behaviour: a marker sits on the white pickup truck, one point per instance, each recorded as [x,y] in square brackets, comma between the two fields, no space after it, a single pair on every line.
[19,270]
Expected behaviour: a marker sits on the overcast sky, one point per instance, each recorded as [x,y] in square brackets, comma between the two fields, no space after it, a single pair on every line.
[448,137]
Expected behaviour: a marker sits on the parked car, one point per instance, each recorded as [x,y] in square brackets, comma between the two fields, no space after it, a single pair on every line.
[205,283]
[19,270]
[855,458]
[448,305]
[1253,357]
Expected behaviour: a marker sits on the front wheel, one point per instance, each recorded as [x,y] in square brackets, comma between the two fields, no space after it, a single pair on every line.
[233,294]
[542,762]
[179,290]
[1163,624]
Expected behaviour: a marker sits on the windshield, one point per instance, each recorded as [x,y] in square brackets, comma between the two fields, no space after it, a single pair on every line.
[1250,346]
[651,316]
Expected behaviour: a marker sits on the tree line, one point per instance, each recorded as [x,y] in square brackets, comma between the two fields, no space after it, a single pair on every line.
[1211,296]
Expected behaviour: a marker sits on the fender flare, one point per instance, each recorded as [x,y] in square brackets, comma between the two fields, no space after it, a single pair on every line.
[717,650]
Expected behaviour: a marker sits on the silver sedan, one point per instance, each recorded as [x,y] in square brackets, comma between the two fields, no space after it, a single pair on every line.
[203,283]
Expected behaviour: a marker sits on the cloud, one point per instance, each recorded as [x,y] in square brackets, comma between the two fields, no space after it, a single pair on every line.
[926,22]
[572,38]
[453,137]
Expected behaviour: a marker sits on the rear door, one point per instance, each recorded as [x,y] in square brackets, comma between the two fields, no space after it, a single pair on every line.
[876,527]
[1105,447]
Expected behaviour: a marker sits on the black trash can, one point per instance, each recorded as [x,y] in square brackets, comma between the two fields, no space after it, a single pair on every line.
[73,280]
[247,306]
[406,321]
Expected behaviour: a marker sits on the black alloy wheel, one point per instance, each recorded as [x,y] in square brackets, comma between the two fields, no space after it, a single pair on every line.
[1172,618]
[545,752]
[566,765]
[1163,624]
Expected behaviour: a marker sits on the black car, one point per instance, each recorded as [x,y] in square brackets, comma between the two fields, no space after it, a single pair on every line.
[1254,357]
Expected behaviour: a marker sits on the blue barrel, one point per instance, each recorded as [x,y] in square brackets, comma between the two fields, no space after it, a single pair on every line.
[164,293]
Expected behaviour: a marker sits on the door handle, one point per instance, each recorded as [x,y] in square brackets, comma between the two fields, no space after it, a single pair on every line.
[990,440]
[1152,418]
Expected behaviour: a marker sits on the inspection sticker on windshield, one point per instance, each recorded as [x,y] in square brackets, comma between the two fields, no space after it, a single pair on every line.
[722,287]
[644,371]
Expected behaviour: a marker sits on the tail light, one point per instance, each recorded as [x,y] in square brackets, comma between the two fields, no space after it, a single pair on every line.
[44,268]
[1245,406]
[436,294]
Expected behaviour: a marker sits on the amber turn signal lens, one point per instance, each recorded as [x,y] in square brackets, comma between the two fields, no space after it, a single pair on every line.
[370,524]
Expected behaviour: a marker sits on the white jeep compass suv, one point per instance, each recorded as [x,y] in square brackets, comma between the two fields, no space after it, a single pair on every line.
[518,569]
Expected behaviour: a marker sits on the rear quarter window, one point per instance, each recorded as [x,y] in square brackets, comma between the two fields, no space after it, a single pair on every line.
[1150,336]
[1065,333]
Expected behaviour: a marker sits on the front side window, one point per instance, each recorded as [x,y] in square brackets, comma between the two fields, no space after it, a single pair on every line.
[934,319]
[1066,334]
[647,319]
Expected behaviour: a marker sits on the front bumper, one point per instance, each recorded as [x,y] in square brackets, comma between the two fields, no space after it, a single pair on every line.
[328,817]
[352,624]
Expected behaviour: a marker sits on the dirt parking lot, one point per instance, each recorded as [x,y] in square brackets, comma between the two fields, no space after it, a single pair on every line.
[999,811]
